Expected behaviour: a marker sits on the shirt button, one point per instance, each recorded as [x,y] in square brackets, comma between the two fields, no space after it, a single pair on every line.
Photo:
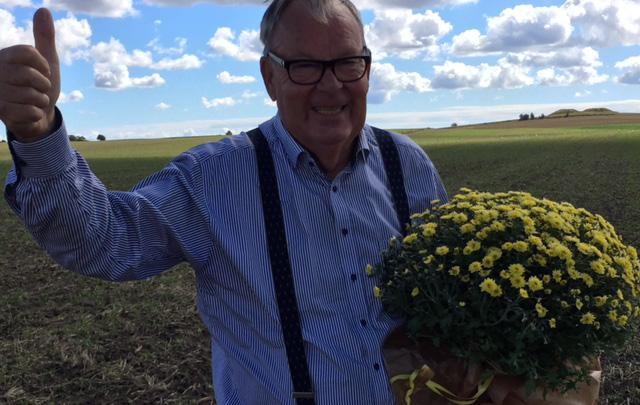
[345,231]
[335,189]
[363,322]
[376,366]
[354,277]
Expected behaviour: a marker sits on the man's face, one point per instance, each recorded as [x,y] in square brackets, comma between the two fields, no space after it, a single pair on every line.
[328,114]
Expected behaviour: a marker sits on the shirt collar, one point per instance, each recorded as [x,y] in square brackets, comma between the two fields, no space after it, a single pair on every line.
[295,153]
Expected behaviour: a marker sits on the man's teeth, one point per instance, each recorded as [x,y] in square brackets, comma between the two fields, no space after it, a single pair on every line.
[328,110]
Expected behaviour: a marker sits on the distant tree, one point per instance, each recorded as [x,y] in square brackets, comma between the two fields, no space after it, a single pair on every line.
[566,115]
[524,117]
[2,141]
[73,138]
[228,133]
[541,117]
[454,125]
[531,116]
[101,137]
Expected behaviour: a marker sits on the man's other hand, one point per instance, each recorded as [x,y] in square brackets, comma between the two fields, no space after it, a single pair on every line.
[30,82]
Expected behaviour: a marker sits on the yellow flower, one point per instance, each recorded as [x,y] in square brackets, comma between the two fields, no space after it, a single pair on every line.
[521,246]
[377,292]
[507,246]
[620,295]
[564,304]
[622,320]
[588,318]
[475,267]
[524,293]
[535,284]
[518,281]
[490,287]
[552,323]
[429,229]
[454,271]
[601,300]
[557,275]
[467,228]
[369,270]
[462,304]
[415,292]
[516,269]
[487,261]
[409,239]
[428,259]
[442,250]
[598,266]
[541,310]
[471,247]
[579,303]
[613,315]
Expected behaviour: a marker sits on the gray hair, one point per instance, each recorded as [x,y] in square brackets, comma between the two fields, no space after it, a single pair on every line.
[319,9]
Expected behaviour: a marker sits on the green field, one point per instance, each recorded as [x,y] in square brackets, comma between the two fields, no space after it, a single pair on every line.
[65,338]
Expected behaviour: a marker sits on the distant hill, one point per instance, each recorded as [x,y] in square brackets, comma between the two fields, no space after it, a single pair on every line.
[566,118]
[570,112]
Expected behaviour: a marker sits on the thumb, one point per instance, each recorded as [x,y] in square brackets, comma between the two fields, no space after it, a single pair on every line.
[44,34]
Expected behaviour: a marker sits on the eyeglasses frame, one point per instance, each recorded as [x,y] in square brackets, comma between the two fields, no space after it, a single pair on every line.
[286,64]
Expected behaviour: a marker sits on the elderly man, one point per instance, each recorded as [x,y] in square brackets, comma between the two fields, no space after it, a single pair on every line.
[278,224]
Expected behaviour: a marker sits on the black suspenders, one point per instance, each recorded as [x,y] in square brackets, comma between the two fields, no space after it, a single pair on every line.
[279,253]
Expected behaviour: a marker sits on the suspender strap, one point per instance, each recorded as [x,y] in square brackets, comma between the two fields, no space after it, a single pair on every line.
[393,169]
[281,271]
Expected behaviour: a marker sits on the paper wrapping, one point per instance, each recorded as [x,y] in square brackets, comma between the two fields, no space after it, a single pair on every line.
[402,356]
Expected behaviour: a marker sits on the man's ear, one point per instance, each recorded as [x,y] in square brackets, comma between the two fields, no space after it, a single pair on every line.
[267,77]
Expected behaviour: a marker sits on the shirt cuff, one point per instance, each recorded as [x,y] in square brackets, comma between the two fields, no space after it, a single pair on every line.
[44,158]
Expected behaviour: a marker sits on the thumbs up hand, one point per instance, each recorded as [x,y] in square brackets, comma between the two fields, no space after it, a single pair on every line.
[30,82]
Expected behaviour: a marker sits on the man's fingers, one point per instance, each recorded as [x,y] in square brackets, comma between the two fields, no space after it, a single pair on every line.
[24,76]
[19,115]
[44,34]
[24,95]
[25,55]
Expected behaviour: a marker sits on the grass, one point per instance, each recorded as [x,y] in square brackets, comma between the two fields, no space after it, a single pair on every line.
[65,338]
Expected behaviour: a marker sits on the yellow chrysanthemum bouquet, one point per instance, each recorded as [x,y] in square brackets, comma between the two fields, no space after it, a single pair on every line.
[521,286]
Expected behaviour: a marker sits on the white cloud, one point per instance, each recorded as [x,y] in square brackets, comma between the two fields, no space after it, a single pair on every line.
[408,4]
[456,75]
[218,102]
[269,103]
[564,58]
[517,28]
[386,82]
[162,106]
[181,43]
[113,52]
[247,48]
[631,68]
[185,62]
[116,77]
[98,8]
[605,22]
[580,94]
[72,35]
[75,95]
[15,3]
[402,33]
[247,94]
[226,78]
[11,34]
[569,76]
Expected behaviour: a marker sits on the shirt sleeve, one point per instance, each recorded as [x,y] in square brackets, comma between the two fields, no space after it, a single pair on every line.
[422,180]
[110,235]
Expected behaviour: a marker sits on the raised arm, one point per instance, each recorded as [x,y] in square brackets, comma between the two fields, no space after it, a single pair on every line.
[30,82]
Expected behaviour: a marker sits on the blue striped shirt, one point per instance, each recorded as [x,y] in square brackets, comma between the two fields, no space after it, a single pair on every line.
[205,208]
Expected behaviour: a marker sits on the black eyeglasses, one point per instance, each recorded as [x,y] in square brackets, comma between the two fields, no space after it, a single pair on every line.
[309,71]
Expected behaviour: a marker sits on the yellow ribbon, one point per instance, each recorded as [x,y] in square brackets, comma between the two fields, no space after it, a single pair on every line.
[439,389]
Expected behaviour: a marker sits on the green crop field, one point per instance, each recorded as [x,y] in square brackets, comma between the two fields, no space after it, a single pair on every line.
[69,339]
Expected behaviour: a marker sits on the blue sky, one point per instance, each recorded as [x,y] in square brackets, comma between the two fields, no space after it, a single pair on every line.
[159,68]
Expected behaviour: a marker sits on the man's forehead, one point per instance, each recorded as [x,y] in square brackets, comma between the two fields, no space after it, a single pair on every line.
[299,27]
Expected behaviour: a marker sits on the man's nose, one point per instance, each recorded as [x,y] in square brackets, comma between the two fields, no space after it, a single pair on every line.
[329,79]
